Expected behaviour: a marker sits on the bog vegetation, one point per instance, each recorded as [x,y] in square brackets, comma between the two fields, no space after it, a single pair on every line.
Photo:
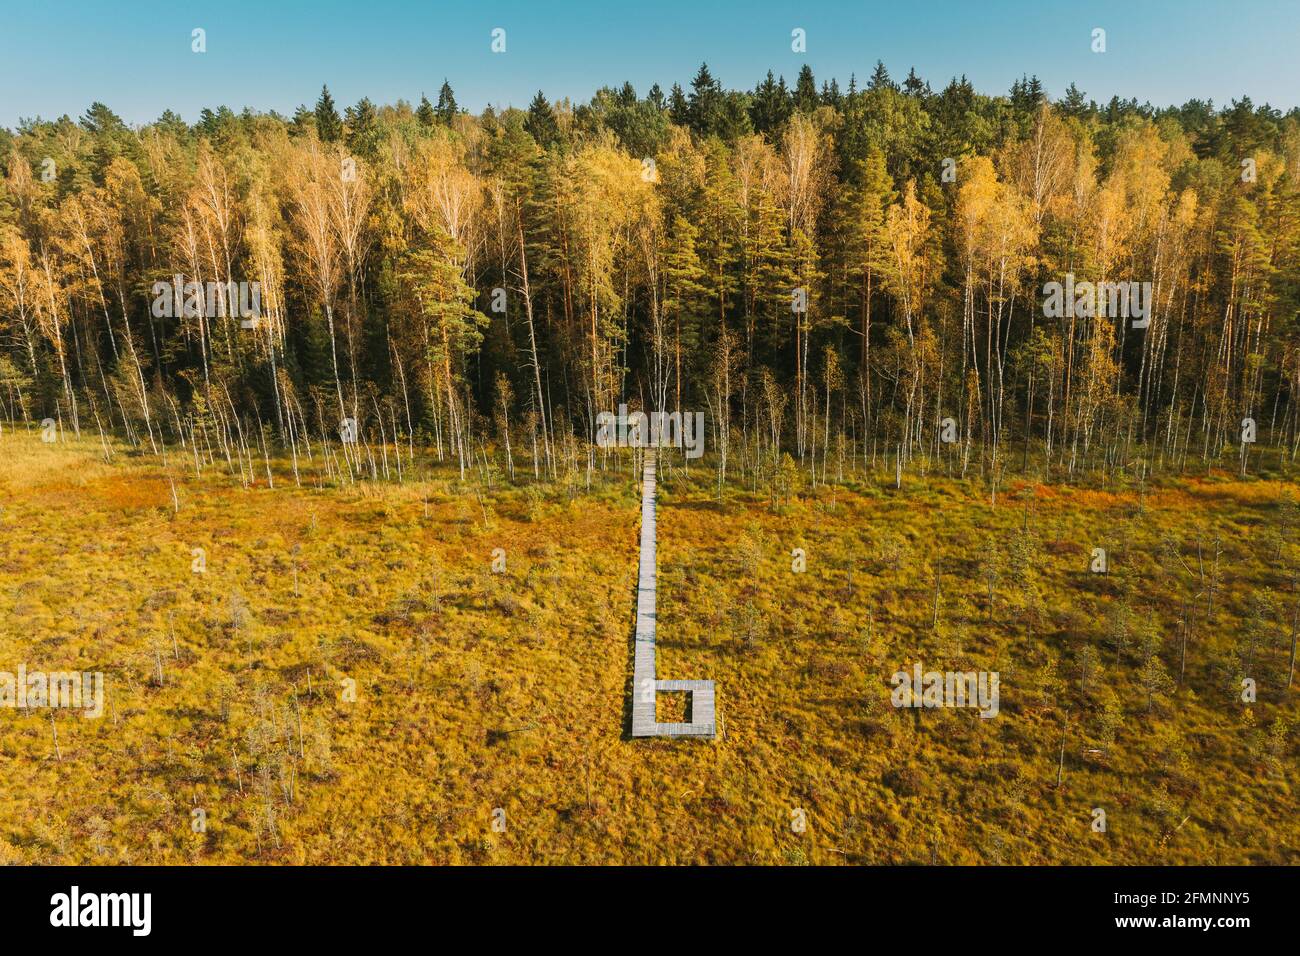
[437,672]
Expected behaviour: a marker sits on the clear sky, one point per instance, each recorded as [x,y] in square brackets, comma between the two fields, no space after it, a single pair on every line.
[57,57]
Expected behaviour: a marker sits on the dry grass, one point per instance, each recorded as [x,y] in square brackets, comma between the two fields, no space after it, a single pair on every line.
[478,691]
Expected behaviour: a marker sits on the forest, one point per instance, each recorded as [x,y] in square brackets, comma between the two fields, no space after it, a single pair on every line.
[830,273]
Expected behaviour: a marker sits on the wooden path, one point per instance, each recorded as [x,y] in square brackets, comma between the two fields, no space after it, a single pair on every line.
[645,686]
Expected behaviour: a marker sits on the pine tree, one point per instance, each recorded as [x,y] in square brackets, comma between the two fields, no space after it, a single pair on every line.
[865,205]
[363,129]
[424,112]
[805,90]
[684,297]
[446,109]
[880,78]
[705,104]
[831,94]
[541,122]
[769,107]
[774,273]
[679,109]
[1073,102]
[172,123]
[303,120]
[329,127]
[914,85]
[100,120]
[719,224]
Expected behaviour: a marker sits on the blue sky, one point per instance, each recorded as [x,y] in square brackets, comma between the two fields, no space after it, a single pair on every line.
[57,57]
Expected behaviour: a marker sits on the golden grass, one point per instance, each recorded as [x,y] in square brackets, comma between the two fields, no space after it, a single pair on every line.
[477,691]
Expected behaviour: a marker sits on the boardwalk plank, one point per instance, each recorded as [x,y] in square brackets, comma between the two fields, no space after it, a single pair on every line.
[645,687]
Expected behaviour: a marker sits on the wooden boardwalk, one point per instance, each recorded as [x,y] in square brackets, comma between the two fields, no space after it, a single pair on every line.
[645,686]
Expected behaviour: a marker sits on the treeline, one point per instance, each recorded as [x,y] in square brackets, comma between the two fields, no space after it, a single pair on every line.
[843,276]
